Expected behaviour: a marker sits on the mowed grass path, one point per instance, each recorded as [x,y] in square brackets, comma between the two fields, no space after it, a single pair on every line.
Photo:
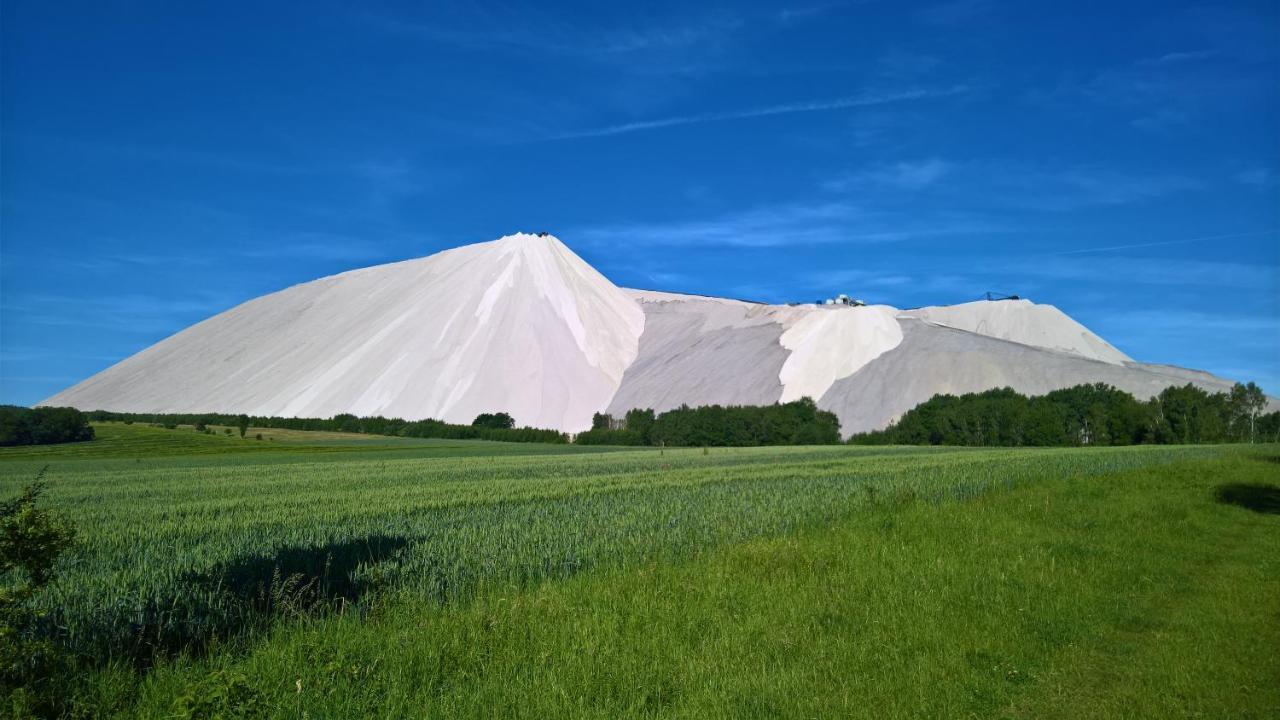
[1129,594]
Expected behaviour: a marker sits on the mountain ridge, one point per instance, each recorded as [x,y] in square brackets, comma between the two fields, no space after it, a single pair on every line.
[523,325]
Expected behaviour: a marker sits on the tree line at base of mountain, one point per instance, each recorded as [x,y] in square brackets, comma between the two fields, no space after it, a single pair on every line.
[794,423]
[488,426]
[1096,414]
[42,425]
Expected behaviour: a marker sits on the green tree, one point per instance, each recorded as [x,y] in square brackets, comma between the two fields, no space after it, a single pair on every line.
[495,421]
[42,425]
[1246,403]
[242,422]
[32,669]
[640,422]
[798,422]
[346,422]
[1188,414]
[1046,424]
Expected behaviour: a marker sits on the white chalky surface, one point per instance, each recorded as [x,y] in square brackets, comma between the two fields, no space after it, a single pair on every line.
[1023,321]
[520,325]
[832,343]
[523,325]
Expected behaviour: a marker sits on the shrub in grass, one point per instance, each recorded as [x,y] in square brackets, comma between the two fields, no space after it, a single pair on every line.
[32,669]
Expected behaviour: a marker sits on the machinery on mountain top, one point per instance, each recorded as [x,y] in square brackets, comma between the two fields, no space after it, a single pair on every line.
[999,296]
[843,299]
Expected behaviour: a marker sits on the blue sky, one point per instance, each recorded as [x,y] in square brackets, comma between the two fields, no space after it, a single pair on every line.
[162,162]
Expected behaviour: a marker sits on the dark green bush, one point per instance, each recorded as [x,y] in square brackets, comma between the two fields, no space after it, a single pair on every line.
[42,425]
[33,669]
[496,421]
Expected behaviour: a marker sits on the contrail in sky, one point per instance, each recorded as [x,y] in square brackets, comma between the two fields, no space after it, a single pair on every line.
[1168,242]
[866,100]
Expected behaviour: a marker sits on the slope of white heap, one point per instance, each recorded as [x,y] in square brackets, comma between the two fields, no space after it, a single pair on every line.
[520,325]
[829,343]
[1025,322]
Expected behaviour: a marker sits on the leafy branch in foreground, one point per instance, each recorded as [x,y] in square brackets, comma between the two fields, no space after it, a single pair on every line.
[31,541]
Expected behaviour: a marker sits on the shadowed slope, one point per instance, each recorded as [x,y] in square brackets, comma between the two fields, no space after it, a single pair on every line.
[933,359]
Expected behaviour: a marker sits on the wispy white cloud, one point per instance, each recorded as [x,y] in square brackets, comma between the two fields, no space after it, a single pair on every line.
[956,12]
[1096,186]
[1178,57]
[795,224]
[240,244]
[1012,186]
[113,263]
[1068,188]
[131,313]
[800,13]
[903,65]
[761,227]
[1259,177]
[1231,344]
[1237,276]
[905,175]
[1259,330]
[857,280]
[844,103]
[314,246]
[171,155]
[1164,121]
[1170,92]
[531,30]
[31,354]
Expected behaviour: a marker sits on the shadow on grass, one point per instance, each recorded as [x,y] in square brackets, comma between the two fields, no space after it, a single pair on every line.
[1256,497]
[296,579]
[247,594]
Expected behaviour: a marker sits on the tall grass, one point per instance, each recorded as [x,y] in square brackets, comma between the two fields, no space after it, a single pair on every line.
[181,553]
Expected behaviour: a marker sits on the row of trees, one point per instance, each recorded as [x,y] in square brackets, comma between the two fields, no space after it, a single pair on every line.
[488,426]
[794,423]
[1095,414]
[42,425]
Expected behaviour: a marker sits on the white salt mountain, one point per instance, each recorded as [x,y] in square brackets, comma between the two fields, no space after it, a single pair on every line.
[521,325]
[525,326]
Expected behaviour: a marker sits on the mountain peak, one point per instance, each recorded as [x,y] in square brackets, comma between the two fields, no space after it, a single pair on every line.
[520,325]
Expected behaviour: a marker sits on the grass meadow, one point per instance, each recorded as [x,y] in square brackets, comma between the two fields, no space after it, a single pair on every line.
[367,577]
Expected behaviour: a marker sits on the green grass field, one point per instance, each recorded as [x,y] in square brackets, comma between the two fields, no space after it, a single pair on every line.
[340,577]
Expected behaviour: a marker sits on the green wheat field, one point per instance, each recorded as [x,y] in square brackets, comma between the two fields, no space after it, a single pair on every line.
[330,576]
